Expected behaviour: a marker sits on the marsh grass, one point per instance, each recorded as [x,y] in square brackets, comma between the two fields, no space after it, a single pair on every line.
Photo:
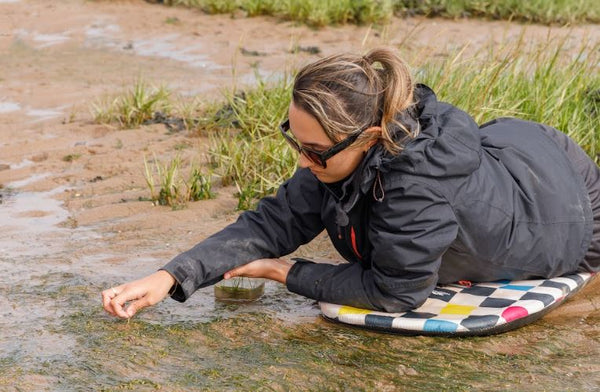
[316,13]
[168,186]
[537,11]
[320,13]
[537,83]
[134,107]
[148,104]
[246,147]
[257,351]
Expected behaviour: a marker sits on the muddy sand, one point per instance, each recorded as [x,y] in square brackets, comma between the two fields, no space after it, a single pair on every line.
[72,199]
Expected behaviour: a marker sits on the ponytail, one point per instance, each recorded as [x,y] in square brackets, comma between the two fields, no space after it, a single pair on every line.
[397,94]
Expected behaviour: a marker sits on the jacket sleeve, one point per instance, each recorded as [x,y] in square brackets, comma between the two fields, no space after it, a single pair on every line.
[277,227]
[409,231]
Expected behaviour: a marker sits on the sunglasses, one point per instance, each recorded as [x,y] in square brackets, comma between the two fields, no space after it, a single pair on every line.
[317,157]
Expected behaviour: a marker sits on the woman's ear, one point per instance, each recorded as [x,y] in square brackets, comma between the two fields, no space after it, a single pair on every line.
[374,135]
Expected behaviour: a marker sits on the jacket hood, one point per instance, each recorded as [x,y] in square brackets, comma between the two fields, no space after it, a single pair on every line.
[448,143]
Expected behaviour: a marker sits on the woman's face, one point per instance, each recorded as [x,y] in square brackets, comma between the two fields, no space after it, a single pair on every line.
[309,133]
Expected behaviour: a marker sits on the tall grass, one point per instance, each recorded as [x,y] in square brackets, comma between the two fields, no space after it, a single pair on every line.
[145,103]
[326,12]
[248,151]
[538,11]
[537,84]
[168,187]
[540,83]
[133,108]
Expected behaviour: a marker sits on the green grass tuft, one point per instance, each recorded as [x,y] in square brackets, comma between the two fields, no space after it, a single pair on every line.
[169,188]
[133,108]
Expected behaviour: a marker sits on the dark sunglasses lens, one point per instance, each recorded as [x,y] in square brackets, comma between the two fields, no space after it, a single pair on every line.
[313,156]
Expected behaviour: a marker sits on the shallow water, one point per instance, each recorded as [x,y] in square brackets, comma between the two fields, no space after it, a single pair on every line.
[54,334]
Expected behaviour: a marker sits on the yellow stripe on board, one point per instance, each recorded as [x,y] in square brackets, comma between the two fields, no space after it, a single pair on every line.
[457,309]
[351,310]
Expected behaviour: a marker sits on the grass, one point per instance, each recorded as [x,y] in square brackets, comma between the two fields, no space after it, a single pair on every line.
[318,13]
[169,188]
[246,147]
[257,351]
[133,108]
[536,11]
[538,83]
[147,104]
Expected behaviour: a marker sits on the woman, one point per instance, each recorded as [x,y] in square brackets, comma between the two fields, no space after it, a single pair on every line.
[412,193]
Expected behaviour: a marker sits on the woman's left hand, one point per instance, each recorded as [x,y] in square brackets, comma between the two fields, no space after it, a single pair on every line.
[274,269]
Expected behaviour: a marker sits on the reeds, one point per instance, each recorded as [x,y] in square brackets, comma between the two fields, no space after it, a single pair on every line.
[133,108]
[541,83]
[320,13]
[534,83]
[168,187]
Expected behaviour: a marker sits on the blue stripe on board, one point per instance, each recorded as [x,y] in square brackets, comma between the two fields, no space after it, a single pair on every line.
[374,320]
[516,287]
[439,326]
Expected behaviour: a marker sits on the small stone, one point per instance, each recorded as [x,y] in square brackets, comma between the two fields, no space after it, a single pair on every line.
[406,371]
[4,166]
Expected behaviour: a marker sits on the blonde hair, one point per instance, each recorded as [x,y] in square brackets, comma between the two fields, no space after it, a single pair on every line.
[347,93]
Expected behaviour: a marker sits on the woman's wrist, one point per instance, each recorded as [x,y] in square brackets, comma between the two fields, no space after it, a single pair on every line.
[282,268]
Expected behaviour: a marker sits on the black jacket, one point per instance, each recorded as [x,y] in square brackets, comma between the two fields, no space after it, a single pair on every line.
[461,202]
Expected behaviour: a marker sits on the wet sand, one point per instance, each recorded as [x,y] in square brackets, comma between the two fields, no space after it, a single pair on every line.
[71,227]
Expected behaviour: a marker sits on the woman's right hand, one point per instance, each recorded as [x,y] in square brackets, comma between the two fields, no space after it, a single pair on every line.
[139,293]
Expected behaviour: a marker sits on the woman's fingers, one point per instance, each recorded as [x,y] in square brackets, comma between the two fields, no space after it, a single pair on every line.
[143,293]
[109,299]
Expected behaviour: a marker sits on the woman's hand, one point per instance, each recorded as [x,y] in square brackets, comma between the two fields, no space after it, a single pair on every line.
[274,269]
[144,292]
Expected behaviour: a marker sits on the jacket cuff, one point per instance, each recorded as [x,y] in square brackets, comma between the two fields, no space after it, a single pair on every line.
[184,285]
[297,279]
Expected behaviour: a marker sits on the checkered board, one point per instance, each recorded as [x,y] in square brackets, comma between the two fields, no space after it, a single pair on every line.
[479,309]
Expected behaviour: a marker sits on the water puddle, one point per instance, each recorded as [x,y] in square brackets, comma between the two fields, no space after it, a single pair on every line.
[173,46]
[45,114]
[165,47]
[42,40]
[8,107]
[50,39]
[21,165]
